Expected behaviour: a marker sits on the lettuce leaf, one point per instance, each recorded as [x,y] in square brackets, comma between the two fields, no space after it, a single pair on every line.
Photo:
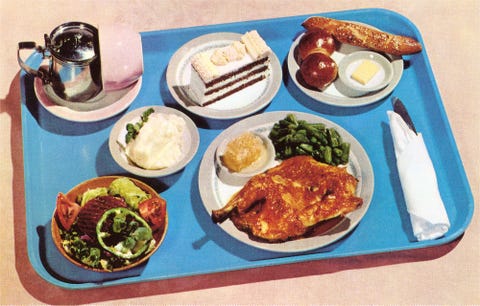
[92,193]
[126,189]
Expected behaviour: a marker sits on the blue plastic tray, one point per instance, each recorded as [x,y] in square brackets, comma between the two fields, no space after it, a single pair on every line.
[59,154]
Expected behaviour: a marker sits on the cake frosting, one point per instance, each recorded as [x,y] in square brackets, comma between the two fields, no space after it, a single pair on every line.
[220,72]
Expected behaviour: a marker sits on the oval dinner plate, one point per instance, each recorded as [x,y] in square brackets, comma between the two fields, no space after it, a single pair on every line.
[215,194]
[331,95]
[243,103]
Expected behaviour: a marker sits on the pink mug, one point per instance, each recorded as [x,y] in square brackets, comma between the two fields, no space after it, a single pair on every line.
[121,55]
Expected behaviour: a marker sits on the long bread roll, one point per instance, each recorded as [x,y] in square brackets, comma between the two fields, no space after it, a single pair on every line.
[363,36]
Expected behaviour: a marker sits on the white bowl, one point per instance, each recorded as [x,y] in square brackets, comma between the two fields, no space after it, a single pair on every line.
[240,178]
[350,87]
[116,143]
[120,55]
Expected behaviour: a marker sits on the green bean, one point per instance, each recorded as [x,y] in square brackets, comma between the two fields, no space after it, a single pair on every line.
[306,147]
[327,155]
[292,137]
[346,152]
[300,151]
[322,138]
[300,138]
[337,152]
[333,137]
[291,118]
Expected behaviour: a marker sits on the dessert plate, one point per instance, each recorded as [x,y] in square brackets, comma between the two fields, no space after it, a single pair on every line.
[333,95]
[240,104]
[114,103]
[215,193]
[116,142]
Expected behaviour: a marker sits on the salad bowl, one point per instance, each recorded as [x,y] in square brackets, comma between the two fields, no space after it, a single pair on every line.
[65,238]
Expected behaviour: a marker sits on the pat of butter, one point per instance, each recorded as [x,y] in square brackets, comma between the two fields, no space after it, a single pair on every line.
[365,72]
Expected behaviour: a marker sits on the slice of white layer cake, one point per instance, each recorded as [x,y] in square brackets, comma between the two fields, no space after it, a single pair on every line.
[221,72]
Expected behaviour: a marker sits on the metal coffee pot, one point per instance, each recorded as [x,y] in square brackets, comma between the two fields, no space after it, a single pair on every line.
[74,70]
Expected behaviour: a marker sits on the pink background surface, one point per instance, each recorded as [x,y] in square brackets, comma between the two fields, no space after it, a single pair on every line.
[448,274]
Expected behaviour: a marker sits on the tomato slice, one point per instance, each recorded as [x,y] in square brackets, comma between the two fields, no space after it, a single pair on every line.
[67,211]
[154,211]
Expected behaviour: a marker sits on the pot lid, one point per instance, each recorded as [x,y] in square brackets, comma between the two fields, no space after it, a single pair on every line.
[73,41]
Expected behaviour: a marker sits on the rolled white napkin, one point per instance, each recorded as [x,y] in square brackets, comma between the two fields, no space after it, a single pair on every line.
[419,182]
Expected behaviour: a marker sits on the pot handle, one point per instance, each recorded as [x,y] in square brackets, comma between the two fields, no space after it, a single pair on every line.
[41,72]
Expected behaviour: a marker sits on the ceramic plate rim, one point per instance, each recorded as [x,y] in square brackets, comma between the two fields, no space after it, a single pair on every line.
[344,101]
[358,156]
[173,74]
[115,148]
[86,116]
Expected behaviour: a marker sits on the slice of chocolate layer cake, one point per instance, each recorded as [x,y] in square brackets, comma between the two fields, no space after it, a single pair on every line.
[220,72]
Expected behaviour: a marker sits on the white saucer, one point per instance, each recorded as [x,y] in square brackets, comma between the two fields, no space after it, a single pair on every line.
[93,115]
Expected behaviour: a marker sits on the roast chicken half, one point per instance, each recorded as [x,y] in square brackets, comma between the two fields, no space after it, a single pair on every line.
[288,201]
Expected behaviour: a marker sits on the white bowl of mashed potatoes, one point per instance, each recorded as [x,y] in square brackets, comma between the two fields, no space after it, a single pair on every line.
[154,141]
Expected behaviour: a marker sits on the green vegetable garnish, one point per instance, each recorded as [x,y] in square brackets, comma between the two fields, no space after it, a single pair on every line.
[123,233]
[79,249]
[134,128]
[92,193]
[130,192]
[292,137]
[93,257]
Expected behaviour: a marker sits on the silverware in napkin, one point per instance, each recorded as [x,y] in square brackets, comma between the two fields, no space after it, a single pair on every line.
[417,176]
